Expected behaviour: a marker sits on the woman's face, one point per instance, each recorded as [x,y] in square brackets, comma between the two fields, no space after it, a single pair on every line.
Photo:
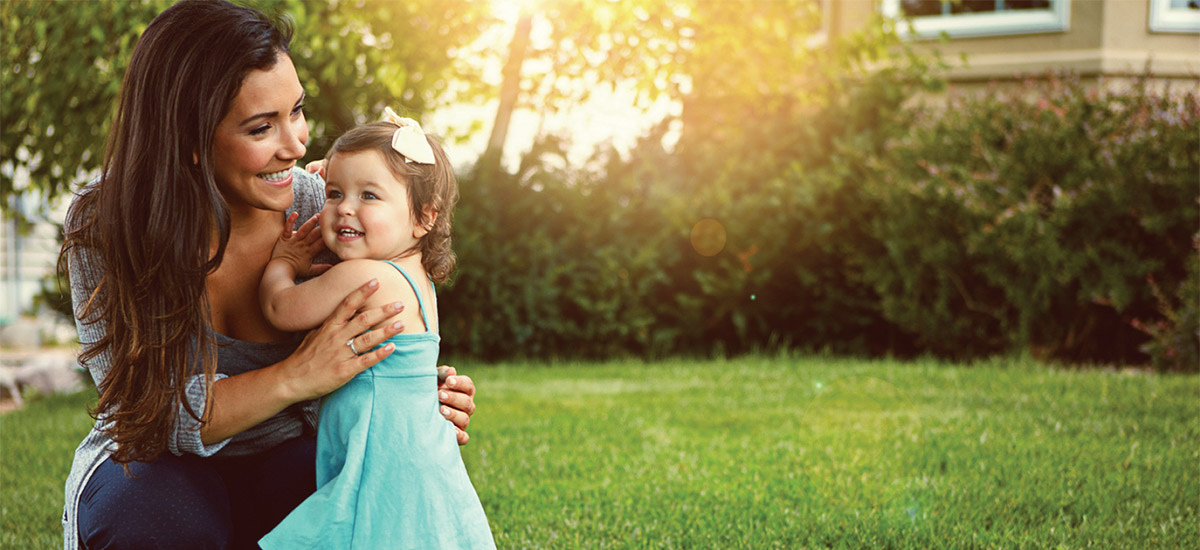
[261,138]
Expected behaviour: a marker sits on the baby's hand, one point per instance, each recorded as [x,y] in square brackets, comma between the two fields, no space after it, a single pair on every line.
[299,247]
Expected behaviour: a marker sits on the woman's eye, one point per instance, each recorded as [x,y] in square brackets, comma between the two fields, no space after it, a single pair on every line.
[298,109]
[260,130]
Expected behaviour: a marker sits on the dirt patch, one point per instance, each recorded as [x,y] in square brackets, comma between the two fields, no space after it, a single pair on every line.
[7,405]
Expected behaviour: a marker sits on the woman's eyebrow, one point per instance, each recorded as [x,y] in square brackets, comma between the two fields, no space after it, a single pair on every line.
[270,114]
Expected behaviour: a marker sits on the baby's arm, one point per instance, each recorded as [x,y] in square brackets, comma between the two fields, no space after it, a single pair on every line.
[295,307]
[286,305]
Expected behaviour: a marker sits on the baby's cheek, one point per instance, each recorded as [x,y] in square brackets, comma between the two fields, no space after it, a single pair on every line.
[328,235]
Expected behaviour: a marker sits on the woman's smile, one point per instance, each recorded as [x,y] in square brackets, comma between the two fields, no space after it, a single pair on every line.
[281,179]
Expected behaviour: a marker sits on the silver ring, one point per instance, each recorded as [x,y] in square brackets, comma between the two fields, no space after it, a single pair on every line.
[350,343]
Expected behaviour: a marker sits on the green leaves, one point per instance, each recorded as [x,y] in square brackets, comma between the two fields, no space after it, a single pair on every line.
[1054,210]
[59,78]
[63,62]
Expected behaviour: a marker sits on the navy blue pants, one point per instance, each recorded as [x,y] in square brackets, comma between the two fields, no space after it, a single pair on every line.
[189,502]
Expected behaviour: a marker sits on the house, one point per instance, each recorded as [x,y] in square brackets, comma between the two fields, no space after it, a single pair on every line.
[1113,40]
[28,259]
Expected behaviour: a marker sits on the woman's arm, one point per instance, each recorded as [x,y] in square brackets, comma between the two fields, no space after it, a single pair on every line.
[321,364]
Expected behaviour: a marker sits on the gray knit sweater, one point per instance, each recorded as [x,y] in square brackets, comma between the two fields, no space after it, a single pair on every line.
[233,357]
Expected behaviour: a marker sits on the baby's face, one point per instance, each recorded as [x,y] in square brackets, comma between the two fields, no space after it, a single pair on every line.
[367,212]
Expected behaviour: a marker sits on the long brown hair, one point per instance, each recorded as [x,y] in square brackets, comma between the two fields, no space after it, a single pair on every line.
[429,185]
[152,215]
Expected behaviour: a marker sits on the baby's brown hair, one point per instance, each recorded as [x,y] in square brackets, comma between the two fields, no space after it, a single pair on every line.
[431,186]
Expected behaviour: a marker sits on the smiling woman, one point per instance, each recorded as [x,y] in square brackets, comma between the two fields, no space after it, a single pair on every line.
[259,142]
[205,419]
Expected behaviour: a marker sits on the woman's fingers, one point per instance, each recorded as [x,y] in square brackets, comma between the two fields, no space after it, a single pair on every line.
[461,383]
[457,397]
[460,402]
[456,417]
[316,167]
[350,304]
[370,358]
[370,339]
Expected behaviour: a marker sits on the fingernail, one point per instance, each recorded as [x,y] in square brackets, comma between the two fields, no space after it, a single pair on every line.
[445,411]
[443,396]
[398,325]
[397,306]
[451,381]
[389,347]
[374,283]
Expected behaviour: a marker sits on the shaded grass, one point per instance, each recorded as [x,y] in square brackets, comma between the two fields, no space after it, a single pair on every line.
[36,447]
[780,453]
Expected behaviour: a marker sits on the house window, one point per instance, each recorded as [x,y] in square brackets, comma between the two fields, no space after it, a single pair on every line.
[822,8]
[1175,15]
[965,18]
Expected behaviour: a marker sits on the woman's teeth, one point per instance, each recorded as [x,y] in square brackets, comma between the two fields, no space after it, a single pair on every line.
[276,176]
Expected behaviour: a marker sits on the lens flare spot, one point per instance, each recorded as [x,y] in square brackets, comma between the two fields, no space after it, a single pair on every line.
[708,237]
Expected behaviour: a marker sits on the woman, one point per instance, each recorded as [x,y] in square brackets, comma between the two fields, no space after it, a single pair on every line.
[204,424]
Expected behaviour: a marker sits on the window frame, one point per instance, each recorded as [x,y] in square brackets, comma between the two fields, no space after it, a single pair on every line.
[1164,18]
[1056,18]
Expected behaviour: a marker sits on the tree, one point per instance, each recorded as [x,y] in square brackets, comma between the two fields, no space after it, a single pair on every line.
[61,73]
[63,62]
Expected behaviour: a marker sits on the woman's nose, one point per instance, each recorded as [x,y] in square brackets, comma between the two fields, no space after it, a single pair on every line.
[294,139]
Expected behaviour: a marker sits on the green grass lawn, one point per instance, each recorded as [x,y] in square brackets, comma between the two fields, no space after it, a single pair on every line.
[779,453]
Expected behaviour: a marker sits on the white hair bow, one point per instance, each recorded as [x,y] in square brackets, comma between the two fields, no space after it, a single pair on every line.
[409,140]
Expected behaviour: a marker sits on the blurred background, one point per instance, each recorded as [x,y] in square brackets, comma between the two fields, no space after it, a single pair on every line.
[650,178]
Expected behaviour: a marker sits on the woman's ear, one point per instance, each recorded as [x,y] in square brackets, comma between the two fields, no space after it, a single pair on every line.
[425,224]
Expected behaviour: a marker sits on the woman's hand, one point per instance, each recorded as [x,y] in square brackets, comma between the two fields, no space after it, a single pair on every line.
[457,394]
[321,364]
[325,360]
[316,167]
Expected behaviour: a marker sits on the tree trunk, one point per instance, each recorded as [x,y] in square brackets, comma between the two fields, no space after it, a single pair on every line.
[510,88]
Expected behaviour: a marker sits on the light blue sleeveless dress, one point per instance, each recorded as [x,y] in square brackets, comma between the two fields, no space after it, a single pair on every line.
[389,470]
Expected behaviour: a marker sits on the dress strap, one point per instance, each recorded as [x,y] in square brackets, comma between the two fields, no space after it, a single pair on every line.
[413,284]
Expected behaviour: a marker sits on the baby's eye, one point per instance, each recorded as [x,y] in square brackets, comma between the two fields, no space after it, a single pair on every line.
[329,195]
[367,195]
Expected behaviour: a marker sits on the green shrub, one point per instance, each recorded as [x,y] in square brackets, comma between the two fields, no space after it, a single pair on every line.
[1174,333]
[855,221]
[1035,223]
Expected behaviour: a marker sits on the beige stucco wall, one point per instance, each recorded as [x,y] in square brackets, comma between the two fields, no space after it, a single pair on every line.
[1106,38]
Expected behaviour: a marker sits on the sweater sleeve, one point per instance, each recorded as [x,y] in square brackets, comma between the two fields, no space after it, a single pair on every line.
[86,270]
